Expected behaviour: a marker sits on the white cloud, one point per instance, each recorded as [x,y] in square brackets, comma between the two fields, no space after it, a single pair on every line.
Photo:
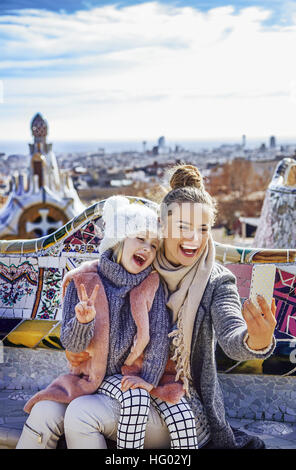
[150,68]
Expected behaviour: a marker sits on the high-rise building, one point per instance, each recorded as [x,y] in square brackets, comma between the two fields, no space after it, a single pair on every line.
[272,143]
[161,142]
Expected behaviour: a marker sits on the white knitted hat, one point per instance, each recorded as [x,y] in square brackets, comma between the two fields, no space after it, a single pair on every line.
[123,220]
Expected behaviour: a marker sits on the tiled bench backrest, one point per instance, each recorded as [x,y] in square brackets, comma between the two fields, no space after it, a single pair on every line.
[31,272]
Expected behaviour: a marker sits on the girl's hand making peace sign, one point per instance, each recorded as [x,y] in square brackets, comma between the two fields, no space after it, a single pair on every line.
[85,309]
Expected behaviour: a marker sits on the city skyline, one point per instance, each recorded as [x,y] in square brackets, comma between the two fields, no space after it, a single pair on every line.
[138,70]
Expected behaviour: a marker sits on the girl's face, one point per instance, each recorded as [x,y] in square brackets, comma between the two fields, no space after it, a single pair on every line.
[186,232]
[139,252]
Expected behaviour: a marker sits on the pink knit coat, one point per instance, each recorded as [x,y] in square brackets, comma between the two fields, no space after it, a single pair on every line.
[86,378]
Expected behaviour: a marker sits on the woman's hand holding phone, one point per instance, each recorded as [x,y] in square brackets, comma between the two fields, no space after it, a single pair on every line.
[260,321]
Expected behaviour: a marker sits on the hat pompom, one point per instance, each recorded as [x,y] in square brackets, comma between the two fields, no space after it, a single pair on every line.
[113,203]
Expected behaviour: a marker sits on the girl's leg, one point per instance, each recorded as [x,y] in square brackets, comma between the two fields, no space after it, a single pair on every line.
[180,421]
[134,412]
[44,426]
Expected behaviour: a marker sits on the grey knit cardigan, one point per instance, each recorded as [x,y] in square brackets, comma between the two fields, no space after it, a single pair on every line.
[219,318]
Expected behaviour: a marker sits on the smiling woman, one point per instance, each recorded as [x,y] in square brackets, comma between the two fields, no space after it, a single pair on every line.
[187,232]
[204,302]
[187,216]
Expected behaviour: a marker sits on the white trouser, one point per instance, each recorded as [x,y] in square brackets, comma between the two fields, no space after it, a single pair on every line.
[44,426]
[86,421]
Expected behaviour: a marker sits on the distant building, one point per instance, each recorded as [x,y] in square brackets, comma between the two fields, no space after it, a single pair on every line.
[272,143]
[41,200]
[161,142]
[243,141]
[262,148]
[161,147]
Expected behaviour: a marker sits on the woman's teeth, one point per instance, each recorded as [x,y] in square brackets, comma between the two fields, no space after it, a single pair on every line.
[188,250]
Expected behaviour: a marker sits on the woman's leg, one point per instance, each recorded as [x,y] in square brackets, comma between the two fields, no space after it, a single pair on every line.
[91,418]
[180,421]
[44,426]
[134,412]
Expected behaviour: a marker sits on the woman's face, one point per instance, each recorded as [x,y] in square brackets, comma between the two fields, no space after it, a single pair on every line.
[139,252]
[186,232]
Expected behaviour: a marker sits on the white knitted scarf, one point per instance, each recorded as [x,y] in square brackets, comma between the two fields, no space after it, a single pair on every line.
[185,286]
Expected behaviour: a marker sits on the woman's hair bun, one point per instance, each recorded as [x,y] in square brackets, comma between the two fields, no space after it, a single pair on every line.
[186,175]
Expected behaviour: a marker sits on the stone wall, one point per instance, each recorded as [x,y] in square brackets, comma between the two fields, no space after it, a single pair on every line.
[25,371]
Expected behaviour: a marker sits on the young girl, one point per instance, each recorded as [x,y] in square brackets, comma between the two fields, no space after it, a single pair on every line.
[115,310]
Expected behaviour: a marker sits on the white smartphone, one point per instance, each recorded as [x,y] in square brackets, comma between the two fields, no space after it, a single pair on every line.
[262,282]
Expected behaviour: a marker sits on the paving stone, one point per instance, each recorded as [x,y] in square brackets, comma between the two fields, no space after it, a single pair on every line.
[289,418]
[278,416]
[250,414]
[232,413]
[291,411]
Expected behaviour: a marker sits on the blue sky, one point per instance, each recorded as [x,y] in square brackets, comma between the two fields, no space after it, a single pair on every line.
[136,70]
[71,6]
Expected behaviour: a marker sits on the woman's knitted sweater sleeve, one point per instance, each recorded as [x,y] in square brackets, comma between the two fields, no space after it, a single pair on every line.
[157,351]
[75,336]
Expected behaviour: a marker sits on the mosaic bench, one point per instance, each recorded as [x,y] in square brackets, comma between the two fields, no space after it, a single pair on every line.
[31,273]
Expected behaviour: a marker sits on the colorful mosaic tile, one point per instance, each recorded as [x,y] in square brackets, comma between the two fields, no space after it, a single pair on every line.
[285,295]
[50,298]
[29,333]
[52,339]
[17,283]
[243,273]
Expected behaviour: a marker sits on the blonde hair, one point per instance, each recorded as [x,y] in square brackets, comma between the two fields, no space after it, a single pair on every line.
[117,252]
[187,185]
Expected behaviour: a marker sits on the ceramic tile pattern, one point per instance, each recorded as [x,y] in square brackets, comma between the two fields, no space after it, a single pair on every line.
[31,273]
